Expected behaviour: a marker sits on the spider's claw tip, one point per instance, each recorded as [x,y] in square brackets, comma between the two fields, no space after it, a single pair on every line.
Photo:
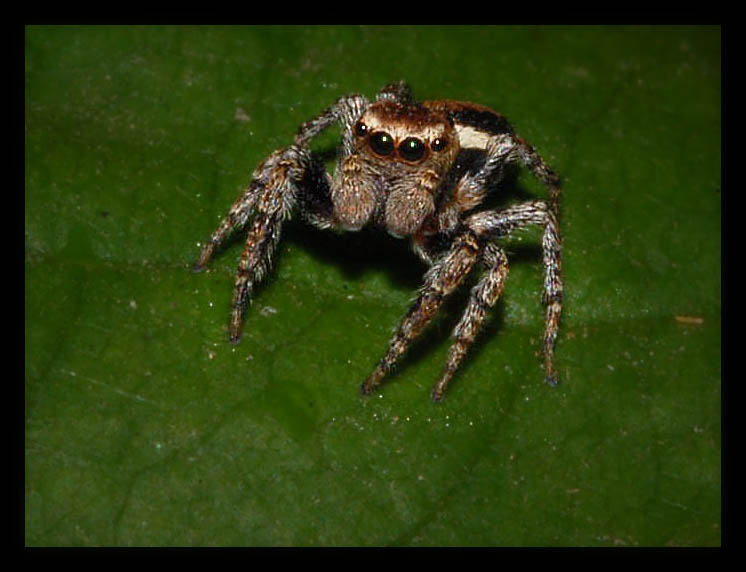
[552,380]
[198,267]
[367,388]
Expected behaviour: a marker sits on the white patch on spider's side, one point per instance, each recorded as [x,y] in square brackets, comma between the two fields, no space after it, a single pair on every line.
[468,137]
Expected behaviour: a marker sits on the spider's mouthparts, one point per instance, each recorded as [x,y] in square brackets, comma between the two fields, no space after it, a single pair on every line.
[406,210]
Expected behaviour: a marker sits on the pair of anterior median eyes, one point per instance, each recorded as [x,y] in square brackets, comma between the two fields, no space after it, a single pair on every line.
[410,149]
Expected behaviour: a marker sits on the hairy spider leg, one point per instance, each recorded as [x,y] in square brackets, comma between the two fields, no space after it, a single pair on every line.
[279,178]
[271,199]
[533,161]
[441,279]
[551,248]
[501,223]
[468,193]
[552,254]
[552,297]
[345,111]
[483,296]
[513,147]
[244,207]
[399,92]
[236,219]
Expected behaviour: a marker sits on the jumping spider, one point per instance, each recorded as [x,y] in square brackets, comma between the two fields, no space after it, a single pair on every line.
[420,171]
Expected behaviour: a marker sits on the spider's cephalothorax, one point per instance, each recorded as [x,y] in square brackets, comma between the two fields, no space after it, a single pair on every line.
[401,154]
[417,170]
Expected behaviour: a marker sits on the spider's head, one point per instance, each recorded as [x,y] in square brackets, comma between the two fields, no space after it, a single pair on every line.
[401,154]
[406,136]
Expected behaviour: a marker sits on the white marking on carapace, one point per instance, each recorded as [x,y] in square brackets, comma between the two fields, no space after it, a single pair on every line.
[469,137]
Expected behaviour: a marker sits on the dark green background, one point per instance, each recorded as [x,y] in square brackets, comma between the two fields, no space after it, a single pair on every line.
[143,426]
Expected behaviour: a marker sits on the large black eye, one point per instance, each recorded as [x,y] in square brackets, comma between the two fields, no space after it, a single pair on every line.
[381,143]
[361,129]
[412,149]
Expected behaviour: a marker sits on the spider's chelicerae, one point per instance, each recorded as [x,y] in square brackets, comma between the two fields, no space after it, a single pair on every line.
[419,171]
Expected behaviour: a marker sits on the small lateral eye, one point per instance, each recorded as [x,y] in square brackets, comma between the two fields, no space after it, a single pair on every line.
[438,144]
[381,143]
[361,129]
[412,149]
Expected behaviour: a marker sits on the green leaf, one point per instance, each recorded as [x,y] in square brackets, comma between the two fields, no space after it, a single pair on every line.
[144,426]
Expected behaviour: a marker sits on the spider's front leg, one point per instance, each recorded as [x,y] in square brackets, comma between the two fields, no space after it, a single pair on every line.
[483,296]
[440,280]
[274,193]
[270,199]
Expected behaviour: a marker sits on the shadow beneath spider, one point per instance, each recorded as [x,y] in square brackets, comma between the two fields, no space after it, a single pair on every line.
[356,253]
